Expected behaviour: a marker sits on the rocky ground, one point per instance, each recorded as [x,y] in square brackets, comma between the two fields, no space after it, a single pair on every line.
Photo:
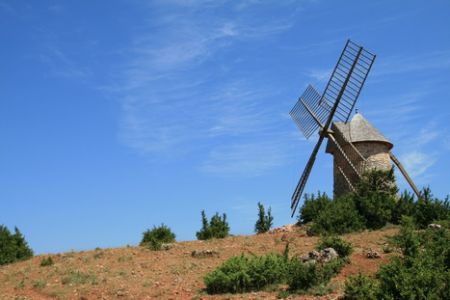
[138,273]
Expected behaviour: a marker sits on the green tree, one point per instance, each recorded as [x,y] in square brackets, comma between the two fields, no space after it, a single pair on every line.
[217,227]
[13,247]
[375,197]
[265,221]
[312,206]
[431,209]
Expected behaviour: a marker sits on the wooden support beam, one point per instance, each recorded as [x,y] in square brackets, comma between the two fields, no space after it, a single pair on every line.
[405,174]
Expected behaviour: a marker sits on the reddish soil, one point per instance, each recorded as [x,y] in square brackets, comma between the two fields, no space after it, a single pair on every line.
[138,273]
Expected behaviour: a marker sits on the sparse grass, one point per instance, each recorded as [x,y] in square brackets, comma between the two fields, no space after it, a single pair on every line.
[78,277]
[39,284]
[125,258]
[99,254]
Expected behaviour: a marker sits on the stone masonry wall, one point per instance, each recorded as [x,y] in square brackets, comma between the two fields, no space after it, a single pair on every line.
[377,157]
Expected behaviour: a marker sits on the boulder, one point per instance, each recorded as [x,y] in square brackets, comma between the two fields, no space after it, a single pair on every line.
[328,254]
[435,226]
[204,253]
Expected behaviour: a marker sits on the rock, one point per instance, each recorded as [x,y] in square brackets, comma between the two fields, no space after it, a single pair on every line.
[372,254]
[328,254]
[204,253]
[121,293]
[284,228]
[167,246]
[435,226]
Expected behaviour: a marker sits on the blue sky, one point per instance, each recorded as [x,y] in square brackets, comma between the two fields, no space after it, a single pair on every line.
[118,115]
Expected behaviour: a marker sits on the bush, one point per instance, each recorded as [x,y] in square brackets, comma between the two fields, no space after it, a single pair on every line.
[265,221]
[430,209]
[250,273]
[217,227]
[13,247]
[246,273]
[312,206]
[375,197]
[46,261]
[360,287]
[407,239]
[422,272]
[304,276]
[339,217]
[404,206]
[153,239]
[342,247]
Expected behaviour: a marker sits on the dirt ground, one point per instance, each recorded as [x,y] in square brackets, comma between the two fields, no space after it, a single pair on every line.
[138,273]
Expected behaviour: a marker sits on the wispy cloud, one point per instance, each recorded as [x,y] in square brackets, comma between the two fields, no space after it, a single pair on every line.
[319,75]
[417,163]
[176,97]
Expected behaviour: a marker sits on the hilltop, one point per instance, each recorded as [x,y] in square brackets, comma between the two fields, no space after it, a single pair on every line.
[138,273]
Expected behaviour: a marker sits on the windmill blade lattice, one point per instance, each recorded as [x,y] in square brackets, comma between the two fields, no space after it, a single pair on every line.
[307,110]
[354,63]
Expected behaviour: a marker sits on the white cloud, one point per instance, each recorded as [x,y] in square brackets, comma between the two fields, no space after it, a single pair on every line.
[417,163]
[173,102]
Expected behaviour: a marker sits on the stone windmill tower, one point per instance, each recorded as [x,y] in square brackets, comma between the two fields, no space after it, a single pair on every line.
[365,146]
[356,145]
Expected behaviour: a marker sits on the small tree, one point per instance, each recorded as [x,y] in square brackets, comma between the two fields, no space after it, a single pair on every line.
[312,206]
[265,221]
[376,196]
[217,227]
[154,238]
[13,247]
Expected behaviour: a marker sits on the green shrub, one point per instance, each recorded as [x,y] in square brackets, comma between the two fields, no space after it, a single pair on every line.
[360,287]
[415,278]
[430,209]
[265,221]
[13,247]
[421,272]
[246,273]
[250,273]
[304,276]
[375,197]
[339,217]
[217,227]
[312,206]
[46,261]
[407,239]
[153,239]
[342,247]
[404,206]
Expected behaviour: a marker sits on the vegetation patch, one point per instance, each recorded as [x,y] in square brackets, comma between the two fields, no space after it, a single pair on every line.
[13,247]
[342,247]
[420,272]
[78,278]
[374,204]
[46,261]
[217,227]
[250,273]
[156,237]
[265,220]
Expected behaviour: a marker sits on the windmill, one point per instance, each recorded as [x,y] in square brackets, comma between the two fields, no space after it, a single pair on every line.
[355,145]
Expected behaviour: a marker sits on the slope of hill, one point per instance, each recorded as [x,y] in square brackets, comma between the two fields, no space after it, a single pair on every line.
[138,273]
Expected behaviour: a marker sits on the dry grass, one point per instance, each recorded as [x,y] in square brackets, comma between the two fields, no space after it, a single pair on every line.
[137,273]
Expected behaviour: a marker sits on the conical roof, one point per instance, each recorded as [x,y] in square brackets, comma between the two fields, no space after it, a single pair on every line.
[359,130]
